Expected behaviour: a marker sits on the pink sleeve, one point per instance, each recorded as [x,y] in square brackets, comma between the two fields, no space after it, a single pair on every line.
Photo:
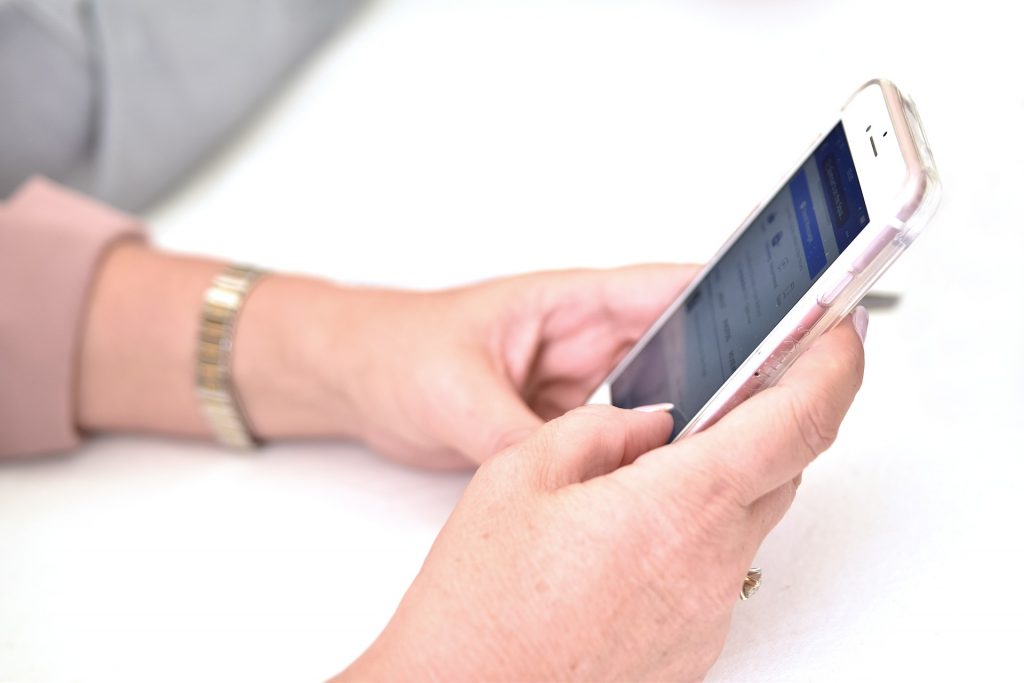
[51,240]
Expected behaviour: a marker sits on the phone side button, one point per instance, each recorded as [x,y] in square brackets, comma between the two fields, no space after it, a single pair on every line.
[829,297]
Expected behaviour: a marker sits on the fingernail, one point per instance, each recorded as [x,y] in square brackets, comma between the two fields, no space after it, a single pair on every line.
[860,322]
[656,408]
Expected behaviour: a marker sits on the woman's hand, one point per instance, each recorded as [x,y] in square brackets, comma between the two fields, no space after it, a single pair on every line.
[448,379]
[436,379]
[589,552]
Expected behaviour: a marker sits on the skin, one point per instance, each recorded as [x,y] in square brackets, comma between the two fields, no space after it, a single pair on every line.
[592,552]
[438,380]
[583,547]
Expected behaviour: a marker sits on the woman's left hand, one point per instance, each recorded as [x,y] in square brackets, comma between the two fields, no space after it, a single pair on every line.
[448,379]
[443,379]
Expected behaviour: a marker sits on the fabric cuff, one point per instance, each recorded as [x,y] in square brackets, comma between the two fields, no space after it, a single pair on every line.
[51,242]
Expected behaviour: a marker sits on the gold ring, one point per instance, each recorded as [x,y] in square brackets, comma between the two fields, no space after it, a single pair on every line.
[750,584]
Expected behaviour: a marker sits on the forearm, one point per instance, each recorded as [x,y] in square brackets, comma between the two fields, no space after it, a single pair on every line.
[137,361]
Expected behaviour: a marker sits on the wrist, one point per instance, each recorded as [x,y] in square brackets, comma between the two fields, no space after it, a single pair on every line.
[291,358]
[136,363]
[290,365]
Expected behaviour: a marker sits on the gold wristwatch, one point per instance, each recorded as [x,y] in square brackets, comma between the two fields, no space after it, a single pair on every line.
[218,397]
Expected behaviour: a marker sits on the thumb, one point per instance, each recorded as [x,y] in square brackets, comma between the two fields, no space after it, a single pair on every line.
[770,438]
[592,441]
[490,415]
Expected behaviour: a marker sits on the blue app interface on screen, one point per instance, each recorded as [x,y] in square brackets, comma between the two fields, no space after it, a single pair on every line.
[790,243]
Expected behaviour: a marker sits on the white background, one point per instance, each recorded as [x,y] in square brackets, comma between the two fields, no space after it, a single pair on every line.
[437,142]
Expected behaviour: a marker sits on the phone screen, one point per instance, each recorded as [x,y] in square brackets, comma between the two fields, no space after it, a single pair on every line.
[786,247]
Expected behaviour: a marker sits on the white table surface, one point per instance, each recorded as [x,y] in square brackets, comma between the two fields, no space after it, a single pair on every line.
[434,143]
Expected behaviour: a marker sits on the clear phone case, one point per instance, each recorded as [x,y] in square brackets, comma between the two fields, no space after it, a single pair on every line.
[901,216]
[916,204]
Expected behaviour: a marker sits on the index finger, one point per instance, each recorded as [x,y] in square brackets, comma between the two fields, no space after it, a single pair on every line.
[771,437]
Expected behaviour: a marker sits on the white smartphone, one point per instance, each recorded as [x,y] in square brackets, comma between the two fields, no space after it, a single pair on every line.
[794,269]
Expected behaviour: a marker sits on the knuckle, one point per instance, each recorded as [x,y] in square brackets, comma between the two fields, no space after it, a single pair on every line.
[726,488]
[588,424]
[499,467]
[814,422]
[590,413]
[771,509]
[719,483]
[504,439]
[787,494]
[577,421]
[720,491]
[518,468]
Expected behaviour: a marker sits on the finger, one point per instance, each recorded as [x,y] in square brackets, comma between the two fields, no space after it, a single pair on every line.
[585,321]
[636,295]
[766,512]
[594,440]
[770,438]
[490,415]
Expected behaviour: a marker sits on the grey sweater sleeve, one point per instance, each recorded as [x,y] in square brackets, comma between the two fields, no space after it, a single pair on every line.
[121,98]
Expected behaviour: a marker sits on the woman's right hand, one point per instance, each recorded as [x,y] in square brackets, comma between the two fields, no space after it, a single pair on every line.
[589,552]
